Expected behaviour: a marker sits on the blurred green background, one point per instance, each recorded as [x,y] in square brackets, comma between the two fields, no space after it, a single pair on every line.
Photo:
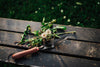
[84,13]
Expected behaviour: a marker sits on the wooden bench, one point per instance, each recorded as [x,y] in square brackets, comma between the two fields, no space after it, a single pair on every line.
[75,50]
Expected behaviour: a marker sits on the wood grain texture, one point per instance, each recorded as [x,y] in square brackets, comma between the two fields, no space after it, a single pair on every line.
[9,38]
[62,45]
[18,25]
[47,60]
[88,34]
[78,48]
[86,42]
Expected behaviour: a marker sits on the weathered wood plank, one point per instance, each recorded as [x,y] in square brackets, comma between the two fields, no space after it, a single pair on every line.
[9,38]
[63,46]
[78,48]
[37,59]
[18,25]
[47,60]
[87,34]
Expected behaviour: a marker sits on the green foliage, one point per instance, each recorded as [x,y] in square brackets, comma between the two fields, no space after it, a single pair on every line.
[61,27]
[84,13]
[36,32]
[26,32]
[44,33]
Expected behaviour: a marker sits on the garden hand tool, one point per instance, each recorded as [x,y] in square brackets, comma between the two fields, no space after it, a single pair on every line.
[32,50]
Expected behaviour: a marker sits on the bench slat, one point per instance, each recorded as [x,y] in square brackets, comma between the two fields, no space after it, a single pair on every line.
[85,34]
[48,60]
[88,34]
[78,48]
[18,25]
[62,46]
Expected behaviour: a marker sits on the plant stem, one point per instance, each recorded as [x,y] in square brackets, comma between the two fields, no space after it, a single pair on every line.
[66,32]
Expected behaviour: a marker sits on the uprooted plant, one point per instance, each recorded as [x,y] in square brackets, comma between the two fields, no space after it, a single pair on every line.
[46,33]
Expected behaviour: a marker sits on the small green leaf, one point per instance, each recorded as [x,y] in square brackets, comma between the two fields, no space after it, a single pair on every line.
[54,30]
[25,33]
[43,23]
[57,36]
[50,25]
[61,27]
[22,39]
[28,26]
[41,39]
[43,20]
[36,33]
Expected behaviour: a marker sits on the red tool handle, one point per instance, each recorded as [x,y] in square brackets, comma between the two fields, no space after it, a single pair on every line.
[25,52]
